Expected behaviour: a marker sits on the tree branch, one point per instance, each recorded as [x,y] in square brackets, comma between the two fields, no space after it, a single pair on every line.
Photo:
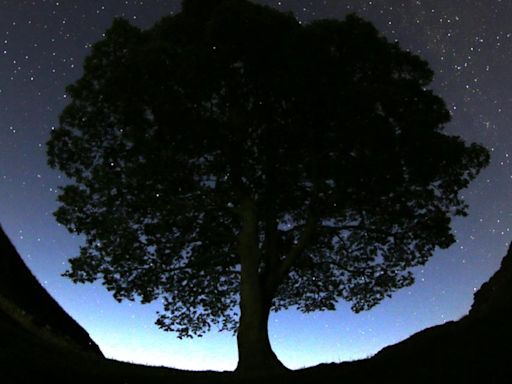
[298,249]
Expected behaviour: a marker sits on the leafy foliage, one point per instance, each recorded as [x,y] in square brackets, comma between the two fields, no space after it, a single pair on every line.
[327,128]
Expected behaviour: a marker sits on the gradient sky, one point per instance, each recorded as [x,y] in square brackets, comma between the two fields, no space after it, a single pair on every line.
[468,44]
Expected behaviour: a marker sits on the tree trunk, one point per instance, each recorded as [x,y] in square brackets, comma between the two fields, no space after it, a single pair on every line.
[255,355]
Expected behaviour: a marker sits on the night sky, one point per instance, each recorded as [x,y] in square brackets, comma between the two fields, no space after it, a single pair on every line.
[468,44]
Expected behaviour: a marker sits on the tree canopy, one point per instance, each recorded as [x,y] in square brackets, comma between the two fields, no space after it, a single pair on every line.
[230,146]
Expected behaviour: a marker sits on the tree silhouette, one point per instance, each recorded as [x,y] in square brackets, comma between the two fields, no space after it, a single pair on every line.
[232,161]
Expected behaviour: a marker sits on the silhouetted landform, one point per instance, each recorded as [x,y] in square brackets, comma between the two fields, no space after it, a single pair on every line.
[478,346]
[23,301]
[475,349]
[495,296]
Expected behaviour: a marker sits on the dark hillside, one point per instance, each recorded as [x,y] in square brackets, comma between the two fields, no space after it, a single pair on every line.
[24,300]
[475,349]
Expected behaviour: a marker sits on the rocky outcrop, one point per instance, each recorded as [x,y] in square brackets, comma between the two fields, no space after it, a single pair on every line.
[25,302]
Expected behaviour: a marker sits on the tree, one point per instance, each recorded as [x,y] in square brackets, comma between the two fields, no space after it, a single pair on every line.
[232,161]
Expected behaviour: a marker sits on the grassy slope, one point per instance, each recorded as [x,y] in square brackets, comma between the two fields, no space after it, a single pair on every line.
[476,349]
[19,288]
[26,357]
[451,353]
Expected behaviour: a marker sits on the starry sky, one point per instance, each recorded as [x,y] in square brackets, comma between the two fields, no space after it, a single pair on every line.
[468,43]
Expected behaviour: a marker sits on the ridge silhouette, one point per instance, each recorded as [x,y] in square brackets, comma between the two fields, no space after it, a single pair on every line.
[472,349]
[20,291]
